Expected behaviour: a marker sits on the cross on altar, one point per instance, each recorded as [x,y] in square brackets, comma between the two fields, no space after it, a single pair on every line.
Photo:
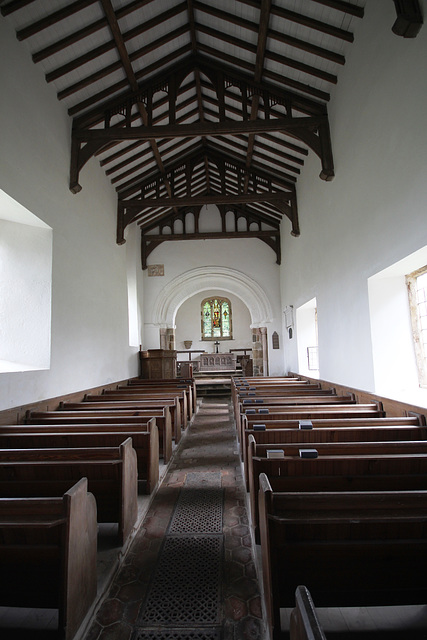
[216,343]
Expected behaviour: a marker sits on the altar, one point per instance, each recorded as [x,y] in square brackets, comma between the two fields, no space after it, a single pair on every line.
[217,362]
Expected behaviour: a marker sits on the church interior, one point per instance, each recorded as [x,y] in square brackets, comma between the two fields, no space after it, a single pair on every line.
[212,193]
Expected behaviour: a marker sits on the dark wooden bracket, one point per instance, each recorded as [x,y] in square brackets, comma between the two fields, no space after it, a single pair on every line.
[409,18]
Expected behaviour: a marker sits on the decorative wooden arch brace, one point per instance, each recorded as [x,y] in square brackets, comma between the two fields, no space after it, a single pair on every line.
[312,128]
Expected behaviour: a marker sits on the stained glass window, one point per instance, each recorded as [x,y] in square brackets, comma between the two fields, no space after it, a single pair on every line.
[216,318]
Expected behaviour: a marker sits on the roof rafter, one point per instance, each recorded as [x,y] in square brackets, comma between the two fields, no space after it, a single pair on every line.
[127,65]
[187,101]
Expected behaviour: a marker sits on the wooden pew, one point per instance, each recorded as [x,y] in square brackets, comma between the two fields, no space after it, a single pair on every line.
[333,430]
[111,473]
[307,412]
[134,391]
[339,448]
[303,389]
[168,417]
[174,403]
[238,384]
[145,395]
[350,548]
[179,383]
[281,387]
[48,549]
[145,391]
[145,442]
[268,404]
[339,472]
[143,418]
[304,623]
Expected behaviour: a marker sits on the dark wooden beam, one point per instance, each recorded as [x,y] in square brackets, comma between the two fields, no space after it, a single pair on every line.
[306,21]
[272,156]
[219,198]
[13,6]
[132,186]
[114,66]
[53,18]
[148,222]
[213,235]
[127,66]
[409,18]
[150,242]
[119,42]
[193,34]
[86,31]
[282,81]
[301,128]
[157,120]
[344,7]
[196,129]
[108,46]
[209,66]
[103,95]
[269,55]
[252,26]
[259,67]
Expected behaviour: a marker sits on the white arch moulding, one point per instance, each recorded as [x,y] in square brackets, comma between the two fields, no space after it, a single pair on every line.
[182,287]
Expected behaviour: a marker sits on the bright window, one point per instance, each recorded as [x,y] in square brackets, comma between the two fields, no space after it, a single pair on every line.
[25,288]
[396,366]
[216,319]
[417,290]
[307,341]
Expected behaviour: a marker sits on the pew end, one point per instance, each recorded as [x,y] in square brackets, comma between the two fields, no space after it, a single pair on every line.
[304,623]
[48,553]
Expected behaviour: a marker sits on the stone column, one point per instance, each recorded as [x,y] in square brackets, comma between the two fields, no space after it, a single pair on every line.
[264,346]
[167,339]
[163,341]
[257,352]
[260,351]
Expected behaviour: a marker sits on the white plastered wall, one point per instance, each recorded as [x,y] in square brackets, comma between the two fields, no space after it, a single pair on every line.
[374,211]
[90,329]
[249,262]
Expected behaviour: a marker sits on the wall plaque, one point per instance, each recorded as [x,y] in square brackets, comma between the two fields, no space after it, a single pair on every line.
[156,269]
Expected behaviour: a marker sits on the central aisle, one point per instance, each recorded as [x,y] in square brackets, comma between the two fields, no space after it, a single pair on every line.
[190,572]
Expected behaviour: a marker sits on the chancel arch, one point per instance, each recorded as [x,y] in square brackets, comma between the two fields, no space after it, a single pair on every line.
[203,278]
[226,281]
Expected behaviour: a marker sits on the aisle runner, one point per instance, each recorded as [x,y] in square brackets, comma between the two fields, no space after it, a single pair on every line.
[184,598]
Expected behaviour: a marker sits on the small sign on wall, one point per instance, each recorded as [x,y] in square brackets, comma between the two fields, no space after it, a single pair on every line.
[156,270]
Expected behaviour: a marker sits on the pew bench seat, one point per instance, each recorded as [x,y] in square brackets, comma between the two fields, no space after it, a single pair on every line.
[84,436]
[111,473]
[338,473]
[265,412]
[48,549]
[334,430]
[349,549]
[100,420]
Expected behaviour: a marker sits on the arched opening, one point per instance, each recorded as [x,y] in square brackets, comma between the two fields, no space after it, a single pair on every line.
[199,283]
[191,343]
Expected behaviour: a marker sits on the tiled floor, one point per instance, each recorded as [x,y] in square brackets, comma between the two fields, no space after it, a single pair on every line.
[209,448]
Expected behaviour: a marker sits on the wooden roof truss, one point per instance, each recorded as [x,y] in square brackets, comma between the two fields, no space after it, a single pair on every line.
[186,103]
